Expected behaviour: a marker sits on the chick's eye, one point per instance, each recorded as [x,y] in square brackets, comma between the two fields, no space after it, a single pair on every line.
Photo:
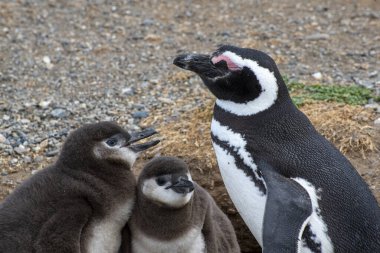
[111,142]
[161,181]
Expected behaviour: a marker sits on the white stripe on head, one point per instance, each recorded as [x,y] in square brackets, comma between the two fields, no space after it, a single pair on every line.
[269,88]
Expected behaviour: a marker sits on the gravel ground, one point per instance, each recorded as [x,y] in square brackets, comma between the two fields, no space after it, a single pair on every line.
[64,63]
[68,63]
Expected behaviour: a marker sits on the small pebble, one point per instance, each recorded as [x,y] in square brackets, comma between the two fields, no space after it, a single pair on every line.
[52,153]
[47,61]
[377,122]
[152,38]
[2,138]
[127,91]
[27,159]
[44,103]
[148,22]
[6,117]
[318,36]
[38,159]
[139,106]
[369,84]
[24,121]
[20,149]
[140,114]
[9,151]
[59,113]
[145,85]
[44,144]
[166,100]
[317,75]
[372,74]
[375,106]
[28,104]
[225,34]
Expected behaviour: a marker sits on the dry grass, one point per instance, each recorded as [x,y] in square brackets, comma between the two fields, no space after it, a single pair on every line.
[347,126]
[187,137]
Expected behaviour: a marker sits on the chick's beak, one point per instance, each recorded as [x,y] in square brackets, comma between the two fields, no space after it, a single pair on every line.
[182,186]
[135,137]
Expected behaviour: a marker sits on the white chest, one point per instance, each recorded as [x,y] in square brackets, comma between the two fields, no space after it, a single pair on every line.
[105,234]
[190,242]
[248,199]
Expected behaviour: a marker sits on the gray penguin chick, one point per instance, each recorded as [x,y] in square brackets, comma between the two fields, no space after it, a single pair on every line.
[80,203]
[173,214]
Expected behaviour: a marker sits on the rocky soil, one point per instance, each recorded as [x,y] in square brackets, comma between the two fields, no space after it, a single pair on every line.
[65,63]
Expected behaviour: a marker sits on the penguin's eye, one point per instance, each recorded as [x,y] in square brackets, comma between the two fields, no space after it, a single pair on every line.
[222,65]
[161,181]
[111,142]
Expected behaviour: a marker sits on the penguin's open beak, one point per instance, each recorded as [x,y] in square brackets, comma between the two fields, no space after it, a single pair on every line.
[200,64]
[182,186]
[135,137]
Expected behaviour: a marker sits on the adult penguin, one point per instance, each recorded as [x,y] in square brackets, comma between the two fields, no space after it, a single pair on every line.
[293,188]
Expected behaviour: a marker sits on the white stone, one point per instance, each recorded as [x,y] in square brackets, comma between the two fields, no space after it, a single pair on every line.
[47,61]
[317,75]
[127,91]
[25,121]
[2,138]
[44,103]
[377,122]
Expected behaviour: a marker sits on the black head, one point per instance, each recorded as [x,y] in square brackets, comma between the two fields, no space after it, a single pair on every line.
[102,143]
[237,77]
[167,181]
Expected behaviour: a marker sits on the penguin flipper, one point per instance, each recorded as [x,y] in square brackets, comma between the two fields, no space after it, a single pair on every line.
[62,232]
[219,234]
[287,209]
